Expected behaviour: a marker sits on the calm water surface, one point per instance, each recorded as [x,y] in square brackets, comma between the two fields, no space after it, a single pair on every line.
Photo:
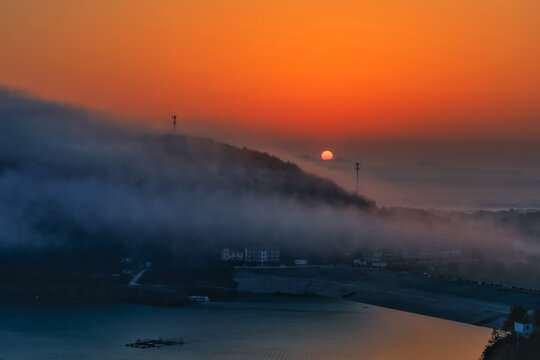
[251,328]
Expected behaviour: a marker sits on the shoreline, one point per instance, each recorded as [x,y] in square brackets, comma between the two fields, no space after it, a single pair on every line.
[466,302]
[458,300]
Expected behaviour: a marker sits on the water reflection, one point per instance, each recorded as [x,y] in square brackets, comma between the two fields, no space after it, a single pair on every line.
[252,328]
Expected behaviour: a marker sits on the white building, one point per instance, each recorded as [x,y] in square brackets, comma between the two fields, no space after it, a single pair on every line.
[359,262]
[524,329]
[379,264]
[266,256]
[234,255]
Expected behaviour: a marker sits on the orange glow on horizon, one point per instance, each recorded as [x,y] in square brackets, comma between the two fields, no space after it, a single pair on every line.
[371,68]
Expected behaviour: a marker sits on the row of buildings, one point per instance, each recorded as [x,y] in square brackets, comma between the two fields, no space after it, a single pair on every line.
[251,256]
[376,259]
[380,259]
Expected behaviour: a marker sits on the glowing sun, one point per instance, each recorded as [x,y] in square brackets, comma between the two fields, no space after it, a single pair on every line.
[327,155]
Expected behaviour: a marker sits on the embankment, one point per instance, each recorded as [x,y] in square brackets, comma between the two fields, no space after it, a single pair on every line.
[456,300]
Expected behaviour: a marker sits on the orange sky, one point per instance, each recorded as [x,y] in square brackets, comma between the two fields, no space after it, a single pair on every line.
[308,68]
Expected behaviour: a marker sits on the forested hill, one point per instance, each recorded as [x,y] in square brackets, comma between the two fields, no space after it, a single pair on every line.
[252,171]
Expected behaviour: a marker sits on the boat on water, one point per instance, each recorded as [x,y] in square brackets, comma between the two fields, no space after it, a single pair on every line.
[196,298]
[153,343]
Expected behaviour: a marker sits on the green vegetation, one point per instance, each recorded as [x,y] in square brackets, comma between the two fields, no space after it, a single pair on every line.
[506,344]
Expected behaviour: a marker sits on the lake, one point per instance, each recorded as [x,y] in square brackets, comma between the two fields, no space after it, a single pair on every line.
[252,327]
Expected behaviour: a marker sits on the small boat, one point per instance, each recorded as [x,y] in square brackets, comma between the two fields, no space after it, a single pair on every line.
[195,298]
[152,343]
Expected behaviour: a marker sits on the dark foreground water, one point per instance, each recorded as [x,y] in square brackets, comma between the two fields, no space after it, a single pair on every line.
[251,328]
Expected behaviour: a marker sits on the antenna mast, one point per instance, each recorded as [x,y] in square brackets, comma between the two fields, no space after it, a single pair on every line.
[357,164]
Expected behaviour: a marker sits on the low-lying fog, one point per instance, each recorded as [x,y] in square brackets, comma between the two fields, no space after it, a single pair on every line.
[66,172]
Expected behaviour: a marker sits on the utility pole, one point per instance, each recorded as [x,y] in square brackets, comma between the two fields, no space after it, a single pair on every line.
[357,164]
[174,123]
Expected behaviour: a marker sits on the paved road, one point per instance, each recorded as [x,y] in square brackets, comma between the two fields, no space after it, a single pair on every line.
[136,278]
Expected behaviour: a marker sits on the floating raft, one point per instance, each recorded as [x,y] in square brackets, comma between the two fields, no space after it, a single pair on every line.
[153,343]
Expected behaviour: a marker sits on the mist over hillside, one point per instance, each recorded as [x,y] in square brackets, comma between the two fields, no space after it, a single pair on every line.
[69,176]
[79,188]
